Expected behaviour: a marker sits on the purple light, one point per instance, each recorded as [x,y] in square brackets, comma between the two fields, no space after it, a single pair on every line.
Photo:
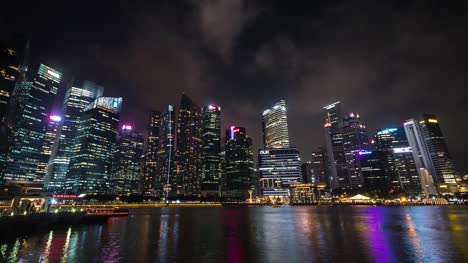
[364,152]
[232,132]
[55,118]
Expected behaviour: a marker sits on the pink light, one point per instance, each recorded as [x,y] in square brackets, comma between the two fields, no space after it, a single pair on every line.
[127,127]
[55,118]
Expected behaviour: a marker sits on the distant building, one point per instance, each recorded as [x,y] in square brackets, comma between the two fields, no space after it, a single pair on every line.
[166,151]
[78,96]
[307,172]
[128,162]
[278,169]
[319,167]
[94,148]
[28,113]
[211,153]
[152,183]
[239,164]
[275,127]
[302,194]
[189,148]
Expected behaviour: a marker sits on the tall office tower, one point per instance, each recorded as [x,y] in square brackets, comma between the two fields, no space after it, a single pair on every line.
[151,181]
[319,167]
[307,173]
[390,138]
[279,168]
[9,69]
[189,147]
[442,166]
[275,127]
[78,96]
[94,147]
[211,153]
[166,154]
[337,166]
[128,162]
[239,164]
[399,164]
[31,104]
[421,156]
[355,139]
[371,167]
[50,139]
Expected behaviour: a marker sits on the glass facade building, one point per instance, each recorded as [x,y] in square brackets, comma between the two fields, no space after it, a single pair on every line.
[211,153]
[127,168]
[442,166]
[151,183]
[275,127]
[278,169]
[78,96]
[50,138]
[32,101]
[239,164]
[94,146]
[189,147]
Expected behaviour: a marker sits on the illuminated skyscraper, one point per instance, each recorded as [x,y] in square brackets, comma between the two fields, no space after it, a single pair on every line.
[355,139]
[421,156]
[239,164]
[77,98]
[94,147]
[211,158]
[166,151]
[128,162]
[442,165]
[189,147]
[32,100]
[9,70]
[398,158]
[278,169]
[151,181]
[275,127]
[50,139]
[319,167]
[337,166]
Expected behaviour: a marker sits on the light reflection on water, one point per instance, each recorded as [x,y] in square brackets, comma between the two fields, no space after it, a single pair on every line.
[261,234]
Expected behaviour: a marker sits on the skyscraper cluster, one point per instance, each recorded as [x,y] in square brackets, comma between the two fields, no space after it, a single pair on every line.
[84,148]
[411,159]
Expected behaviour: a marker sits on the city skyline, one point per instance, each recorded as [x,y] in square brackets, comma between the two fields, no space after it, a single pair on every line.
[233,65]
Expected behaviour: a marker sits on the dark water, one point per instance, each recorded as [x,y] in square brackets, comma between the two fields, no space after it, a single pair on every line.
[257,234]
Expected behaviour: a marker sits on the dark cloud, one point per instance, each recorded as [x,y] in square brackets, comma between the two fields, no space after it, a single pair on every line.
[387,60]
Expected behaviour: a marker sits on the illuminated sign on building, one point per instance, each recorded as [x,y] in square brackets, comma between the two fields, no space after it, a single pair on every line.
[264,152]
[364,152]
[402,150]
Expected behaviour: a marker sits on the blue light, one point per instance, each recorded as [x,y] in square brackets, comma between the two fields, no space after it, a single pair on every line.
[364,152]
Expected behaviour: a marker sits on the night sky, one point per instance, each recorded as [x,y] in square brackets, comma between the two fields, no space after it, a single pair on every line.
[386,60]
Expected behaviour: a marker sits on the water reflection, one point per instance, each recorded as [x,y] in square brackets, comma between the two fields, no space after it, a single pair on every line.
[262,234]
